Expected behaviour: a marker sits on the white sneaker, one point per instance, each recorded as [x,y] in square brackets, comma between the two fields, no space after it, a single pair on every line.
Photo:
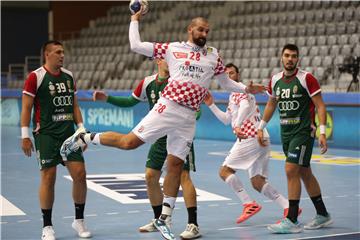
[191,232]
[150,227]
[48,233]
[72,143]
[80,228]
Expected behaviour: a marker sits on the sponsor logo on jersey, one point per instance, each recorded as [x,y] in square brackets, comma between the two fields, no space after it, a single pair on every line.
[289,121]
[62,101]
[297,95]
[62,117]
[44,161]
[192,71]
[292,155]
[288,105]
[131,188]
[179,55]
[209,49]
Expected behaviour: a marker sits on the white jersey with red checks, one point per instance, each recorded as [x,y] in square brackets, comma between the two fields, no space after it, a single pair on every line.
[250,121]
[191,69]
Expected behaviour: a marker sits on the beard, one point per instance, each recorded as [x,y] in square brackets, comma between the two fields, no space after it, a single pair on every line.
[199,41]
[290,68]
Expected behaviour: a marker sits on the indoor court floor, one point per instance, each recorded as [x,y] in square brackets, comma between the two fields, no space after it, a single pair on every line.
[117,202]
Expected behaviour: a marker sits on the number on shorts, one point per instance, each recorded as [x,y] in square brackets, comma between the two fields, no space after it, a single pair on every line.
[160,108]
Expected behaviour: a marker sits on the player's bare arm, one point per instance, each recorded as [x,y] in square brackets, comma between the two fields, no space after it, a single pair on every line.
[321,110]
[268,112]
[26,144]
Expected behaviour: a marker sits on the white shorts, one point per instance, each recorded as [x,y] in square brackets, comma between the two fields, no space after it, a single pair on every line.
[248,155]
[171,119]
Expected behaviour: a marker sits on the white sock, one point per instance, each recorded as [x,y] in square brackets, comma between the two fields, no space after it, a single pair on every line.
[95,140]
[236,185]
[271,193]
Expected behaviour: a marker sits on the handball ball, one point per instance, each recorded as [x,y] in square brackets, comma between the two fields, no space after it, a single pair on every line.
[135,5]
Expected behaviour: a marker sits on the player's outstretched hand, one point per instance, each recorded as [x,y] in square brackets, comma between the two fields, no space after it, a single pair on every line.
[322,144]
[208,100]
[137,15]
[255,88]
[27,146]
[100,96]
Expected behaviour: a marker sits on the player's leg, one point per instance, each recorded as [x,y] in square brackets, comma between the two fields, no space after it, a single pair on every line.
[192,230]
[292,169]
[47,161]
[322,218]
[258,173]
[76,168]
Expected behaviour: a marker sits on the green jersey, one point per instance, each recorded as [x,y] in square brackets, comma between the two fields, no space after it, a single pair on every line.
[293,95]
[150,89]
[53,102]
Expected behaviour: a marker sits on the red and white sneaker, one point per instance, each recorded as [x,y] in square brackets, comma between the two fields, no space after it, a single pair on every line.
[250,209]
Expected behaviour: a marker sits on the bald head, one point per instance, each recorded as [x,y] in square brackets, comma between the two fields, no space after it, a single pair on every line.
[198,30]
[198,21]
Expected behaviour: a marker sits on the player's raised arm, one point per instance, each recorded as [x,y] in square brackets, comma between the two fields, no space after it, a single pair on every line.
[136,45]
[232,86]
[224,117]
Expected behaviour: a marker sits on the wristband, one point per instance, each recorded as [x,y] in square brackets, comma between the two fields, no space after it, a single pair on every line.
[262,124]
[80,125]
[25,132]
[322,129]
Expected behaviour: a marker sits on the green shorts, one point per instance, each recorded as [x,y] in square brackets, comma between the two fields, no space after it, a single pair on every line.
[298,149]
[48,151]
[158,153]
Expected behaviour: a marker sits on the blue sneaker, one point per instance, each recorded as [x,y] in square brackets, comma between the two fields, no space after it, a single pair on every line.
[319,221]
[285,226]
[164,229]
[72,143]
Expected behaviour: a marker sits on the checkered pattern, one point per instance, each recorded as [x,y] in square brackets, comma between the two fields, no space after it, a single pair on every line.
[248,128]
[220,67]
[237,97]
[187,94]
[160,50]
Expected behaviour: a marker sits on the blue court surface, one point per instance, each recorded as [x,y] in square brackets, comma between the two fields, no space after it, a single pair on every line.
[117,203]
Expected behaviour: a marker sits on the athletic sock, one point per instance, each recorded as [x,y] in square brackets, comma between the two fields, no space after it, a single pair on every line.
[93,138]
[46,214]
[236,185]
[192,215]
[319,205]
[271,193]
[293,210]
[157,211]
[79,210]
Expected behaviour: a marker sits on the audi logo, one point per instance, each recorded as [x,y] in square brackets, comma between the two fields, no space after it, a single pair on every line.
[288,105]
[61,101]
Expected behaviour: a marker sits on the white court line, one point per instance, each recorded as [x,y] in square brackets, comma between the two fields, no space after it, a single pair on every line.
[3,222]
[324,236]
[342,196]
[91,215]
[135,211]
[112,213]
[232,228]
[9,209]
[23,221]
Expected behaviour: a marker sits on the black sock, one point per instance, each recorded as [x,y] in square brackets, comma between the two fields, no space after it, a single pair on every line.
[79,210]
[157,211]
[293,210]
[46,213]
[192,215]
[319,205]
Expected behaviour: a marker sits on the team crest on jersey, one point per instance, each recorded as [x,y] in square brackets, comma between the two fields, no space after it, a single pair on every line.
[295,89]
[153,96]
[277,93]
[51,88]
[209,50]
